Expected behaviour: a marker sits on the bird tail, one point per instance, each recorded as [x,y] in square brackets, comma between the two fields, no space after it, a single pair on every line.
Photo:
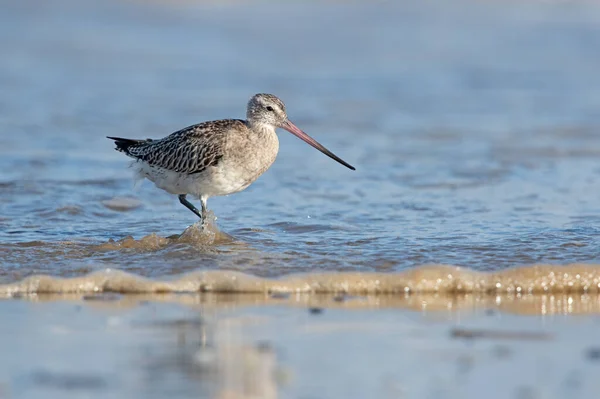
[123,145]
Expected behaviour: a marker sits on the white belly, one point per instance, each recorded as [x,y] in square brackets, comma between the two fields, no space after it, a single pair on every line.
[223,179]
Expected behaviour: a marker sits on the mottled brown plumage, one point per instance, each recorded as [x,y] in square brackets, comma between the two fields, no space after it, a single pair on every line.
[189,150]
[218,157]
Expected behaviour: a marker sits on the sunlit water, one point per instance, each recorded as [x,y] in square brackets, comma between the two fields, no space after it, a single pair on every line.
[473,130]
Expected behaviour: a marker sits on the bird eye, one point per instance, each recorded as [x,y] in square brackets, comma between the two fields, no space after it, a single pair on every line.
[269,108]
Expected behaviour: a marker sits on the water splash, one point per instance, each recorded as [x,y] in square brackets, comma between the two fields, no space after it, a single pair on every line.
[197,234]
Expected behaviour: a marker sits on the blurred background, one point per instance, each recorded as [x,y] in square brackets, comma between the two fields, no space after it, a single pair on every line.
[473,126]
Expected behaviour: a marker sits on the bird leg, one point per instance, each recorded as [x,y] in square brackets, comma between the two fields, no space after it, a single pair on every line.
[191,207]
[203,200]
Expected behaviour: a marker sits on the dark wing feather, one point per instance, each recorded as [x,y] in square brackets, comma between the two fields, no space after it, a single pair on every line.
[190,150]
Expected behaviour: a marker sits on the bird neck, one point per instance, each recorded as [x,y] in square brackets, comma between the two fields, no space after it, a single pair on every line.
[262,129]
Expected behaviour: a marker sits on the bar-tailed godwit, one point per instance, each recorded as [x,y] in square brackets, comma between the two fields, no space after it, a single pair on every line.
[218,157]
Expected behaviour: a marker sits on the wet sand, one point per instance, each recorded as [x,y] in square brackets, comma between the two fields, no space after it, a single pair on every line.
[249,346]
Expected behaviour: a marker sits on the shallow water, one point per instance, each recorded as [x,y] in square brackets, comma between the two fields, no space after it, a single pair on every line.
[473,130]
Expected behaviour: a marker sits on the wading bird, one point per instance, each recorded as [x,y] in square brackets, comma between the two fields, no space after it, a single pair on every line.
[218,157]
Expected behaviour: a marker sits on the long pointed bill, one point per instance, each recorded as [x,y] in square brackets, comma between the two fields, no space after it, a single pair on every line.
[290,127]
